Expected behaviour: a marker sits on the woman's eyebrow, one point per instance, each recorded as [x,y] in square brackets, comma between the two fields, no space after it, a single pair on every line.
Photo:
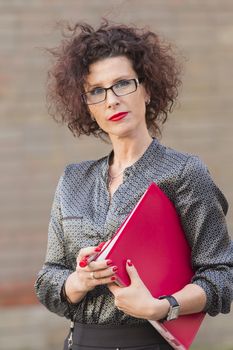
[91,86]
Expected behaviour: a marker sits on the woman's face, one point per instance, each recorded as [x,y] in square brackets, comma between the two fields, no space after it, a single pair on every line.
[105,73]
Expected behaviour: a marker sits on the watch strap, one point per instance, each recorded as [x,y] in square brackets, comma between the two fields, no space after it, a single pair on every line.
[174,308]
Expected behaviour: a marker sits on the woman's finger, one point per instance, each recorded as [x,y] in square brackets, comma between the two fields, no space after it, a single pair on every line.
[100,281]
[86,252]
[100,265]
[100,274]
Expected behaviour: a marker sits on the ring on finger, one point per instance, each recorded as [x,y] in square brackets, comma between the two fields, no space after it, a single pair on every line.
[92,276]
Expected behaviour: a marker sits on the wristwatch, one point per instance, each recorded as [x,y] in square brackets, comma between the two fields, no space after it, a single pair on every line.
[174,309]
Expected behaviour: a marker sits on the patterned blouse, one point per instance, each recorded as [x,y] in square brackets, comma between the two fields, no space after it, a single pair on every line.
[82,215]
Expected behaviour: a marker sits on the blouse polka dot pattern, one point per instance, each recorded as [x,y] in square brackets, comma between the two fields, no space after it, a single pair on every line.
[82,215]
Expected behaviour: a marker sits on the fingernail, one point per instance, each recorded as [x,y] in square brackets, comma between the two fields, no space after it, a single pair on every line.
[115,268]
[83,263]
[109,262]
[113,278]
[129,263]
[99,247]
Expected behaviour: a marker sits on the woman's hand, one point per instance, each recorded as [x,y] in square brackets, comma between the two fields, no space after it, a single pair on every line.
[136,300]
[88,277]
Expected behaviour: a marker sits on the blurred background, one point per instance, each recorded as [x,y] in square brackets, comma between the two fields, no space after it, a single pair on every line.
[34,149]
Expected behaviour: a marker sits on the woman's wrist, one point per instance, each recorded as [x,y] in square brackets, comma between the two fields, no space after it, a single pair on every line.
[159,310]
[64,296]
[69,294]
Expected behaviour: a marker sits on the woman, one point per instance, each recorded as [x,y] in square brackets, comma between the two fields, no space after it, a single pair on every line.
[120,82]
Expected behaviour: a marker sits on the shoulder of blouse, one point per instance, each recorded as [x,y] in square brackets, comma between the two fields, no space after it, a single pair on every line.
[177,158]
[83,166]
[179,163]
[196,176]
[185,163]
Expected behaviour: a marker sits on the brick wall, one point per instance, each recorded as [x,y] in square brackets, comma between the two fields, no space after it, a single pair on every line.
[34,150]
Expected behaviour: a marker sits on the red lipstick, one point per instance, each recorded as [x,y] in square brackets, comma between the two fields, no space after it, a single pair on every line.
[118,116]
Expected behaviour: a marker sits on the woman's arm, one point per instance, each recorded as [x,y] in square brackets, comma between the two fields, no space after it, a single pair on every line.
[54,273]
[136,300]
[59,286]
[202,208]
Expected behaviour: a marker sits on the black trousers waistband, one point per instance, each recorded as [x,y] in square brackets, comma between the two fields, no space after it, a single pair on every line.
[107,336]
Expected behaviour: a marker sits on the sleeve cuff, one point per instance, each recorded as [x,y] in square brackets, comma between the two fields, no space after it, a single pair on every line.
[211,302]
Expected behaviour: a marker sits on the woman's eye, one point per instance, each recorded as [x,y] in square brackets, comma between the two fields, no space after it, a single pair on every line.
[97,91]
[122,83]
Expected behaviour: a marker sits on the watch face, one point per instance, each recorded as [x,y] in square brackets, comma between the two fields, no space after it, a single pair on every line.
[173,313]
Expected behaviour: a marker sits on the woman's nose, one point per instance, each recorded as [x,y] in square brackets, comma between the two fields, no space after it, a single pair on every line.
[111,99]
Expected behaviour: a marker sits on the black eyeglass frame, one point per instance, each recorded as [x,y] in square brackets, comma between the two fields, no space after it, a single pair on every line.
[137,81]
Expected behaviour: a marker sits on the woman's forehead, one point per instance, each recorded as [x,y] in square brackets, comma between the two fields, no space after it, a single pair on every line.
[110,69]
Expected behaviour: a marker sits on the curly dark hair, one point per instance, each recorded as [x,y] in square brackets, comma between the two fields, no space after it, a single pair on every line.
[153,60]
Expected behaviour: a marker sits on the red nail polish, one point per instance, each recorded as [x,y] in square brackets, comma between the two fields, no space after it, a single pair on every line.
[115,268]
[113,278]
[109,262]
[129,263]
[83,263]
[101,245]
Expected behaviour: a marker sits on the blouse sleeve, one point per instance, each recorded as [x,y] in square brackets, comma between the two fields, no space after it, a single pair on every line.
[202,208]
[55,271]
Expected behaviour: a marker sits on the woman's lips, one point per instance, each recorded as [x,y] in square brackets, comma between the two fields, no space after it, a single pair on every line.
[118,116]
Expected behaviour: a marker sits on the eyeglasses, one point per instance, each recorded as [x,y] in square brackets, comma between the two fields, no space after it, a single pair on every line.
[121,88]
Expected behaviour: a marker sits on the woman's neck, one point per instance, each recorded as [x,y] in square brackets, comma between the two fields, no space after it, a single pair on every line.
[127,151]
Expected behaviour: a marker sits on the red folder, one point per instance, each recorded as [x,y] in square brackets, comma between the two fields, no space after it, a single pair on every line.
[153,239]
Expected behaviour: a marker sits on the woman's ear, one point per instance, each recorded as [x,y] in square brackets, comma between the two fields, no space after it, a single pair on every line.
[148,102]
[146,96]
